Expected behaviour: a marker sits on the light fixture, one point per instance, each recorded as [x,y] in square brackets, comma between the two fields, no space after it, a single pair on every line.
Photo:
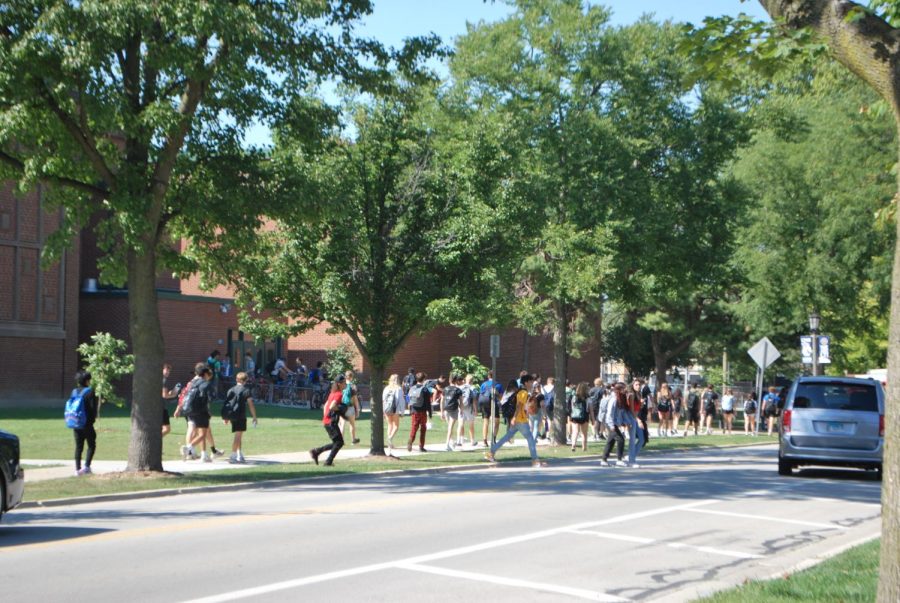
[224,308]
[814,319]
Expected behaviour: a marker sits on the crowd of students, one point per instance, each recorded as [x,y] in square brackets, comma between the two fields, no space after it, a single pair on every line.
[526,405]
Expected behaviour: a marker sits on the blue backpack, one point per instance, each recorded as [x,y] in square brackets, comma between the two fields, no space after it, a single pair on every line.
[75,413]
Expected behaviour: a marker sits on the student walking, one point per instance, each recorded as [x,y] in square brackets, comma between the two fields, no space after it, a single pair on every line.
[519,421]
[693,412]
[728,410]
[636,431]
[350,400]
[770,408]
[420,409]
[468,403]
[750,406]
[710,398]
[664,410]
[450,400]
[595,394]
[237,401]
[196,407]
[618,417]
[580,416]
[677,409]
[394,403]
[87,433]
[330,419]
[489,395]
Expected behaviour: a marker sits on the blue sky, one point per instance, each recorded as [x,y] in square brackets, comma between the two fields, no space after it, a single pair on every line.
[394,20]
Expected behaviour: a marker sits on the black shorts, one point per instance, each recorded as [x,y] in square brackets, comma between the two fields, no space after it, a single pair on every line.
[485,410]
[694,417]
[238,425]
[200,420]
[165,416]
[727,412]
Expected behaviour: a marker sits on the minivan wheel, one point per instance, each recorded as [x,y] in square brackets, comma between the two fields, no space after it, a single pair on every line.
[784,467]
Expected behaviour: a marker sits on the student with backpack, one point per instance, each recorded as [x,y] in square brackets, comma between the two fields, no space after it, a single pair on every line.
[331,415]
[489,395]
[81,412]
[580,415]
[450,403]
[350,402]
[196,407]
[636,431]
[693,412]
[393,401]
[677,410]
[710,400]
[420,409]
[595,394]
[234,410]
[468,404]
[750,406]
[514,406]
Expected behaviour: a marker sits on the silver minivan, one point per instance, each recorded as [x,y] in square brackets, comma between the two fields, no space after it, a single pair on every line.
[837,421]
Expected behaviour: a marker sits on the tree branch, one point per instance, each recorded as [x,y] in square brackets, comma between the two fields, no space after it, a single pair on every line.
[866,44]
[56,180]
[84,138]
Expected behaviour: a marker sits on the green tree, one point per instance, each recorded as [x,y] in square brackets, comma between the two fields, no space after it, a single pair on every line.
[340,360]
[106,360]
[863,40]
[135,112]
[393,234]
[468,365]
[809,241]
[546,72]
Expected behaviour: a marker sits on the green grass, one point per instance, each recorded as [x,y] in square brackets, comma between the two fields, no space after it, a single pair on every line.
[849,577]
[44,436]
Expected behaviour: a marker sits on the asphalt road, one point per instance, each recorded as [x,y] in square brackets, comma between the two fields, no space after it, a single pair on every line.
[683,524]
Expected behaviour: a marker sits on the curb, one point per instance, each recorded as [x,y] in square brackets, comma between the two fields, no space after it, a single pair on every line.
[274,483]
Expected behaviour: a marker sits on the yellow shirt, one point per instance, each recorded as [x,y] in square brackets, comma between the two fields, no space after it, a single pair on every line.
[521,399]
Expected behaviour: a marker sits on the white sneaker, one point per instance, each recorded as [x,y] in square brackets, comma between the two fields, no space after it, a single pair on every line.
[604,463]
[205,458]
[449,448]
[241,458]
[635,466]
[185,452]
[621,464]
[233,458]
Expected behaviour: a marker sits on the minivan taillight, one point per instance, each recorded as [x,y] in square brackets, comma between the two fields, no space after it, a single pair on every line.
[786,421]
[881,426]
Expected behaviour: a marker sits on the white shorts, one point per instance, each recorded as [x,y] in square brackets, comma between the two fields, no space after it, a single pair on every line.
[351,412]
[466,414]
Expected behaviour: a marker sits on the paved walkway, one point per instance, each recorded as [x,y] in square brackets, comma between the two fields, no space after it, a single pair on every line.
[43,469]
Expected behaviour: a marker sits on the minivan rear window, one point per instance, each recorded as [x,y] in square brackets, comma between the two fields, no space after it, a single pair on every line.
[836,396]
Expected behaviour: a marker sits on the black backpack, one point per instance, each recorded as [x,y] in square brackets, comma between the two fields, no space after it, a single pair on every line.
[508,404]
[231,408]
[452,395]
[418,400]
[693,402]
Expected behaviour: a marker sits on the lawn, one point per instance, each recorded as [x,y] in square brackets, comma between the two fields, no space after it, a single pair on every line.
[849,577]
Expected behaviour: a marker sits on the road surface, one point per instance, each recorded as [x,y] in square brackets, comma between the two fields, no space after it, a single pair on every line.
[683,524]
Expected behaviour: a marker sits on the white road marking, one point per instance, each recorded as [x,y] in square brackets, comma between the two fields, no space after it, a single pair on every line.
[421,559]
[538,586]
[674,545]
[798,522]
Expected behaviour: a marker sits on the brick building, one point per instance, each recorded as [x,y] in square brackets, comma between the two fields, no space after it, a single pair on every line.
[45,313]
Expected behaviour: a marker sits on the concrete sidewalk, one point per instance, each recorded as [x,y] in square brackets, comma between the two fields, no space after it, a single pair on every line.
[43,469]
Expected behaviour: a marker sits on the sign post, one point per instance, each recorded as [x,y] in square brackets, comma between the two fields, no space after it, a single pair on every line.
[495,353]
[763,354]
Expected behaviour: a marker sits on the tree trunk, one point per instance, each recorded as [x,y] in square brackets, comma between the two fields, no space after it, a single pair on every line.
[145,447]
[376,388]
[889,572]
[868,46]
[560,369]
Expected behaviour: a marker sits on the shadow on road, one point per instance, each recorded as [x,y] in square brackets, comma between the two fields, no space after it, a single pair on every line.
[21,535]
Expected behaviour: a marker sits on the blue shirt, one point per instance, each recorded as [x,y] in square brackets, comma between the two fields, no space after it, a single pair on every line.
[487,385]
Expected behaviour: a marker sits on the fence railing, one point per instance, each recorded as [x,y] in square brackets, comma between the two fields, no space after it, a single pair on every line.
[287,394]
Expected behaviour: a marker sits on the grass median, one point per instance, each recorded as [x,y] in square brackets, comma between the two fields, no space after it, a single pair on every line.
[849,577]
[43,436]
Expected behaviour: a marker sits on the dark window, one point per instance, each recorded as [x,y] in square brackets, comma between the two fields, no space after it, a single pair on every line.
[836,396]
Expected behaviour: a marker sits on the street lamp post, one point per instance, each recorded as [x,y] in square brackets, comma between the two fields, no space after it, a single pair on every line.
[814,319]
